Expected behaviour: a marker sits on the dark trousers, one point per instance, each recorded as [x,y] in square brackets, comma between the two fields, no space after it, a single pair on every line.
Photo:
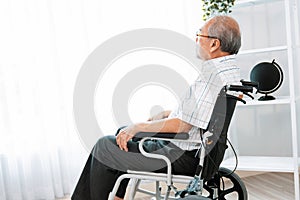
[107,162]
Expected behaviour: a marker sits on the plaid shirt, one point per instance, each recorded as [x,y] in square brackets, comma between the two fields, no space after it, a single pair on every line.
[197,104]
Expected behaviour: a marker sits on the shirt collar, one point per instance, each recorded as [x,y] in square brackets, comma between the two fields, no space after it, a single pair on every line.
[208,64]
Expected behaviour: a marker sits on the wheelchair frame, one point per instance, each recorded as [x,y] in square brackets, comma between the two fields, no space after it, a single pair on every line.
[196,183]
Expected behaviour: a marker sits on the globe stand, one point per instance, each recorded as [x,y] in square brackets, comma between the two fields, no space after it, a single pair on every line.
[266,98]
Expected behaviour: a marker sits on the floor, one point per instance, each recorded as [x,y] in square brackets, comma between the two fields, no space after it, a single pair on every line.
[270,186]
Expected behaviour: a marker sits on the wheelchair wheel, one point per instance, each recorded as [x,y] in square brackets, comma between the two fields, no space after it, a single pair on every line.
[229,186]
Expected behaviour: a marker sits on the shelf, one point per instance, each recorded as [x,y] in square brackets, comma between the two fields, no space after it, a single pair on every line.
[263,50]
[277,101]
[245,3]
[260,163]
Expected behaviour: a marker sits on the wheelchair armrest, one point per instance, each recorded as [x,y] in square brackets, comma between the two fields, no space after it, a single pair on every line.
[180,136]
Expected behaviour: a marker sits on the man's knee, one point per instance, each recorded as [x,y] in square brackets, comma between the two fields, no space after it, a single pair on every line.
[105,142]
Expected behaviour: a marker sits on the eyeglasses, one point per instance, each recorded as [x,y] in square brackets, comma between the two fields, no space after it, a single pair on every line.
[198,34]
[206,36]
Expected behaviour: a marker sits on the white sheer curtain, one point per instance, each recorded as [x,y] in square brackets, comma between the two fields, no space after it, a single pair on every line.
[43,44]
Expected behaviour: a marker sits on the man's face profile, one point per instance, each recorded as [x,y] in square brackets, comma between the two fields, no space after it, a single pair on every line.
[202,43]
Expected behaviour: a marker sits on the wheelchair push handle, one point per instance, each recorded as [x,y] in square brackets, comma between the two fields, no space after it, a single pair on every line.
[245,88]
[249,83]
[239,88]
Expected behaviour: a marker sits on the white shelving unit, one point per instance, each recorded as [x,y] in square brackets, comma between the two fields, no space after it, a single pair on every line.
[262,163]
[263,50]
[272,163]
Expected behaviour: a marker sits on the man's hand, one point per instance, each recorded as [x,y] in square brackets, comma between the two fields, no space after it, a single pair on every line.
[161,115]
[124,136]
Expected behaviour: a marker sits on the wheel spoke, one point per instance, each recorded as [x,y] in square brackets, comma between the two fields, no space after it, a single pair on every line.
[225,192]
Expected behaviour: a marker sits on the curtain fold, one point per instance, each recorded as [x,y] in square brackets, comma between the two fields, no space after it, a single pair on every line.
[35,176]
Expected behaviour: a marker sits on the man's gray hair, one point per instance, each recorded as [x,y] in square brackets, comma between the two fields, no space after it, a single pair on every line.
[227,30]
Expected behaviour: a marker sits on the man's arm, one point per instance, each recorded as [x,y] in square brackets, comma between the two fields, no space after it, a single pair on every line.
[173,125]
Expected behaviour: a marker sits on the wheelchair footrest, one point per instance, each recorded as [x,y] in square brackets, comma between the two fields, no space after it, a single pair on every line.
[195,197]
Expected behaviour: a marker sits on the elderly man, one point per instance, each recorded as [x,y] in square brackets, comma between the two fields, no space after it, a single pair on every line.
[217,43]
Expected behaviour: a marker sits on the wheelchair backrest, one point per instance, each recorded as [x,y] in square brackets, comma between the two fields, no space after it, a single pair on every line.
[219,123]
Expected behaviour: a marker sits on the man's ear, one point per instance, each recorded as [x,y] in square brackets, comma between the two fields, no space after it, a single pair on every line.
[214,45]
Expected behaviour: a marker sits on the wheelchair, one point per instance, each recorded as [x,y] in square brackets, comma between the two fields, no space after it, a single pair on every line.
[210,181]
